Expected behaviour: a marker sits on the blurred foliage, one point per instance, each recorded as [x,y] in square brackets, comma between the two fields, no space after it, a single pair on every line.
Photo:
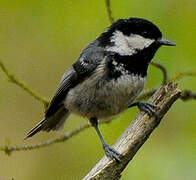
[39,40]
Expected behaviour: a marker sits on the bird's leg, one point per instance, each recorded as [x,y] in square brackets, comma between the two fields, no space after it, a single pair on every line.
[146,107]
[109,151]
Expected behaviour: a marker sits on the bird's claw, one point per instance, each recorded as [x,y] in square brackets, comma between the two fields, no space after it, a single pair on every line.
[148,108]
[112,153]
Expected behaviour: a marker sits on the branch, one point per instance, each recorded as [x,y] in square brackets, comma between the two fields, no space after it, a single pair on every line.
[109,11]
[163,70]
[135,135]
[22,85]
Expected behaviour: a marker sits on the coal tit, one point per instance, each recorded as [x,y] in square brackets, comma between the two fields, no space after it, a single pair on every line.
[107,77]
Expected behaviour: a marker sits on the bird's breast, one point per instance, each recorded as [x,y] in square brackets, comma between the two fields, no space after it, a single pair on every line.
[99,98]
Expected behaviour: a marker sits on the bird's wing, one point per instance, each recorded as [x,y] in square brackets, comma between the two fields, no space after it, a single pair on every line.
[68,81]
[81,69]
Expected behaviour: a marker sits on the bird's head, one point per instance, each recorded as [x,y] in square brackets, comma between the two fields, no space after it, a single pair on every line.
[131,36]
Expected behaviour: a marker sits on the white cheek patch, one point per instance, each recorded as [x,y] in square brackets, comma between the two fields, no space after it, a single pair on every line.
[138,42]
[128,45]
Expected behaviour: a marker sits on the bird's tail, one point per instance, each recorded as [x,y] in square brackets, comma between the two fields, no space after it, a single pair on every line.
[54,122]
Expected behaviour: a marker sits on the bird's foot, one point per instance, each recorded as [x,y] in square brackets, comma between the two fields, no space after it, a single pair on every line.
[112,153]
[148,108]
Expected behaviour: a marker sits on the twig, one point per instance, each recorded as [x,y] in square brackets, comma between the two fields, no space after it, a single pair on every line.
[187,95]
[109,11]
[180,75]
[22,85]
[8,149]
[163,70]
[135,135]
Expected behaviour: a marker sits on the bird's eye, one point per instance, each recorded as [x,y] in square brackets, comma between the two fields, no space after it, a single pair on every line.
[144,33]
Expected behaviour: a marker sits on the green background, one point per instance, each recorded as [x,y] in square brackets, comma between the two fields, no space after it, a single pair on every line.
[39,40]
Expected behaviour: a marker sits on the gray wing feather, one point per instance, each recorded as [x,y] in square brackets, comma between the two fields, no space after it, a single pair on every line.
[82,68]
[68,81]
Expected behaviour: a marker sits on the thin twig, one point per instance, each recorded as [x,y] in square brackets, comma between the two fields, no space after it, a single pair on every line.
[188,95]
[163,70]
[180,75]
[8,149]
[185,95]
[22,85]
[109,11]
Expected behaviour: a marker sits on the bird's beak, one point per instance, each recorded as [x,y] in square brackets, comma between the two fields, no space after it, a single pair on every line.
[166,42]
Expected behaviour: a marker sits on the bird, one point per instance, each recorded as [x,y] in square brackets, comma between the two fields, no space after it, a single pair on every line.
[106,78]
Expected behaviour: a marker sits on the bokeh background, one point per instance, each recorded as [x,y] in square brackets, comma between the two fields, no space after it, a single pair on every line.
[39,40]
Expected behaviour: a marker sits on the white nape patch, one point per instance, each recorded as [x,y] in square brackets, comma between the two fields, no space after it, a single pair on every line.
[128,45]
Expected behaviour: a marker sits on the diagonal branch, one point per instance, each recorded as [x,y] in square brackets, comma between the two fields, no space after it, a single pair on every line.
[135,135]
[22,85]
